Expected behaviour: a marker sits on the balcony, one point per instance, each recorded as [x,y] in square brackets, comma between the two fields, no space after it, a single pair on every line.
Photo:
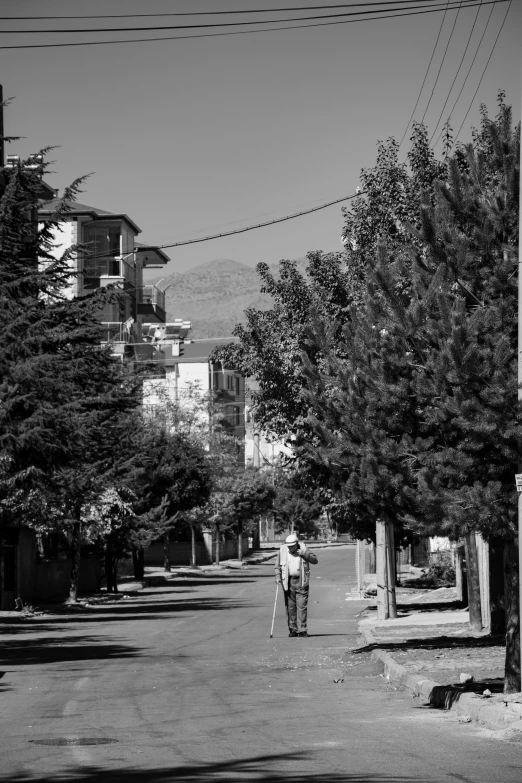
[119,337]
[151,303]
[98,272]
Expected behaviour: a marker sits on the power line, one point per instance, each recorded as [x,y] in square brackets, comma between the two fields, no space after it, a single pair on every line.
[425,76]
[442,63]
[209,13]
[458,71]
[237,32]
[262,225]
[92,256]
[469,69]
[484,71]
[202,26]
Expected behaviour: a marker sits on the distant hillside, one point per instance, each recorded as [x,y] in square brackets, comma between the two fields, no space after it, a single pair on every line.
[214,296]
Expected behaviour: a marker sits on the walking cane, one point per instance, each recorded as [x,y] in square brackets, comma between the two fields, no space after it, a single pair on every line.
[273,616]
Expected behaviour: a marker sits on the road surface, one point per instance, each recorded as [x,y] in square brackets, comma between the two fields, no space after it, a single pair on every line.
[182,683]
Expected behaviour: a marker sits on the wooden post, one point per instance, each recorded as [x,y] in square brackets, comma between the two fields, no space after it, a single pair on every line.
[166,551]
[390,569]
[475,612]
[483,564]
[193,557]
[458,572]
[382,580]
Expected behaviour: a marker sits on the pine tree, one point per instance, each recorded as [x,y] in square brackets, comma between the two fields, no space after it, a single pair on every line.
[59,389]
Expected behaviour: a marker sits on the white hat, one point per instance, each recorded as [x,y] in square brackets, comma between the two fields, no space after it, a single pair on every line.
[291,539]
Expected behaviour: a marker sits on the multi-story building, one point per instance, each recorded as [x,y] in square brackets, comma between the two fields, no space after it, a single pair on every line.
[110,254]
[187,376]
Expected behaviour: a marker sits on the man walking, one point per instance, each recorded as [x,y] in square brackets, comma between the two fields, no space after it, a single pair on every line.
[292,570]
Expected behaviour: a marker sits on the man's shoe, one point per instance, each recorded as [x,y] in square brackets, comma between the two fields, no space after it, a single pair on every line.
[303,633]
[293,633]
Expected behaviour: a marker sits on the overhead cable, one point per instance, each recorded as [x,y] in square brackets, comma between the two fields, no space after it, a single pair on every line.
[469,69]
[238,230]
[441,64]
[205,25]
[484,71]
[240,32]
[209,13]
[456,75]
[425,76]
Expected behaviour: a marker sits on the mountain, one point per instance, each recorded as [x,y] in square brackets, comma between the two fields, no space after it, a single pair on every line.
[214,296]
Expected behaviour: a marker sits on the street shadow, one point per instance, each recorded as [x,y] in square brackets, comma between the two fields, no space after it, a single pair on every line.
[450,606]
[259,768]
[430,642]
[120,611]
[446,696]
[56,649]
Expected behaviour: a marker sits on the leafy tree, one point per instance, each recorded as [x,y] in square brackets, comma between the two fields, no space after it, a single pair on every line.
[421,414]
[251,495]
[171,474]
[58,387]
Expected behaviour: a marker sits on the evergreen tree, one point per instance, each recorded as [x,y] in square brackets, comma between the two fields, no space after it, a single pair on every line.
[58,387]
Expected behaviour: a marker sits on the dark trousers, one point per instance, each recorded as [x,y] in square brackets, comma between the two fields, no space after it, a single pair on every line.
[296,602]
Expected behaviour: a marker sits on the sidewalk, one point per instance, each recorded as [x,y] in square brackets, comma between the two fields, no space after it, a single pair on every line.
[430,650]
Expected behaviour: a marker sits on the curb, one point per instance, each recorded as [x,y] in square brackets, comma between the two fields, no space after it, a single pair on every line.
[494,716]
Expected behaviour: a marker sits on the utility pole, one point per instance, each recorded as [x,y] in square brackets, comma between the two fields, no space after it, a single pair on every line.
[2,156]
[519,364]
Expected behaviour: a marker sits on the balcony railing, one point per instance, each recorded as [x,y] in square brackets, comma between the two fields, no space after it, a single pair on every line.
[109,266]
[149,294]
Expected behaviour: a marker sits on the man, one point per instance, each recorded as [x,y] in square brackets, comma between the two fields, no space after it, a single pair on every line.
[292,570]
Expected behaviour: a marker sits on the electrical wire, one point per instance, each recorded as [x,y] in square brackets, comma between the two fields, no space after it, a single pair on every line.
[262,225]
[485,69]
[441,64]
[209,13]
[469,69]
[241,220]
[236,32]
[92,256]
[458,71]
[213,25]
[425,76]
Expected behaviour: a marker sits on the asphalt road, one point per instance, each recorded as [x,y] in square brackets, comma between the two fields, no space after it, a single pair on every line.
[183,683]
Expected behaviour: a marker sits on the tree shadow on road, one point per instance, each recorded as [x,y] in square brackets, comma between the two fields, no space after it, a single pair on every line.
[60,649]
[259,768]
[143,608]
[431,642]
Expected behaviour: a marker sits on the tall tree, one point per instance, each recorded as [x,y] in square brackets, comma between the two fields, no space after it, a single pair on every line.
[58,386]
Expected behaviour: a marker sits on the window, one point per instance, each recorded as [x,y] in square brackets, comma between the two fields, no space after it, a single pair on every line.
[236,415]
[102,239]
[237,386]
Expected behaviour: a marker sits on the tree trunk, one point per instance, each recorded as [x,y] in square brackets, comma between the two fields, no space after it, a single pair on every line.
[240,545]
[138,563]
[459,573]
[76,541]
[217,544]
[472,568]
[166,552]
[109,565]
[390,568]
[383,611]
[496,586]
[512,682]
[115,574]
[372,566]
[193,557]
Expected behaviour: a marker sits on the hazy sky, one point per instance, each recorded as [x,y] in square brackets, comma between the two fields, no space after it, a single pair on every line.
[200,136]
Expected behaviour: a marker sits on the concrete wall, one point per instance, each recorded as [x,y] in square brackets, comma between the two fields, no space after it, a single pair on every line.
[45,581]
[180,552]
